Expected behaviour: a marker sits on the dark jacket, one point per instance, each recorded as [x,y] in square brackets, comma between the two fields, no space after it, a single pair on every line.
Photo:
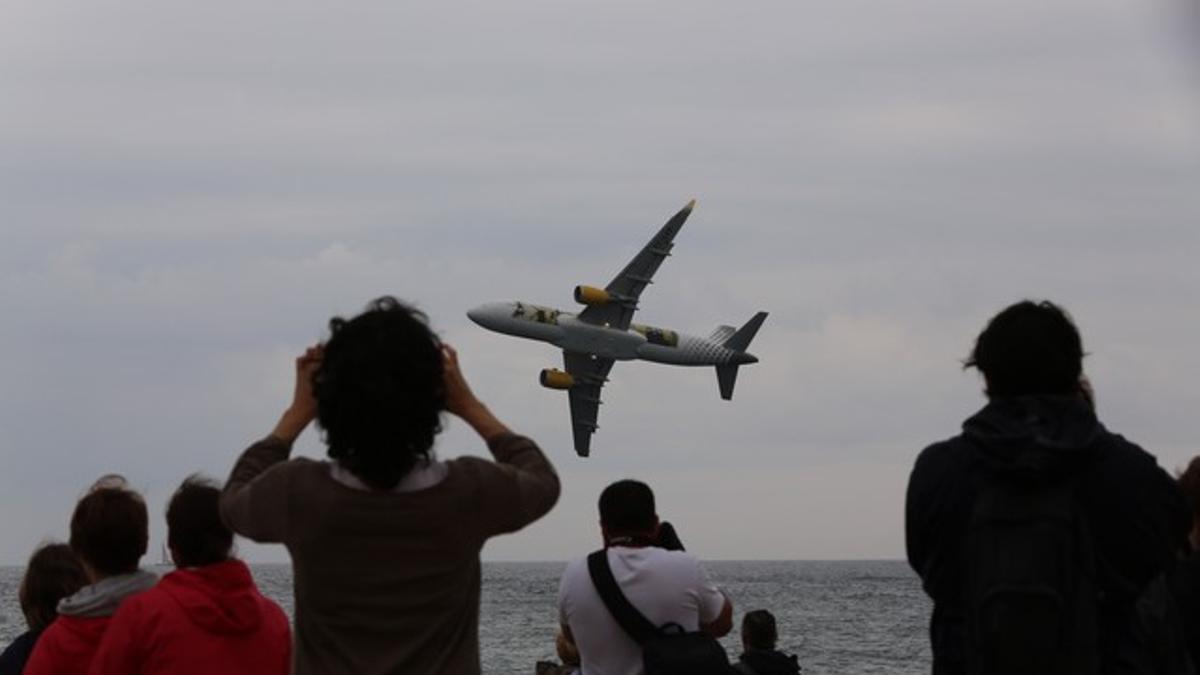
[767,662]
[1139,516]
[1184,584]
[12,661]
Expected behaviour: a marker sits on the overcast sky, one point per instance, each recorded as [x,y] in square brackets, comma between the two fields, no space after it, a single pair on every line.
[188,191]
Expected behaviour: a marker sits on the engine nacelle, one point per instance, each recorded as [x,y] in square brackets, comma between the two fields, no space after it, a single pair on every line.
[553,378]
[590,295]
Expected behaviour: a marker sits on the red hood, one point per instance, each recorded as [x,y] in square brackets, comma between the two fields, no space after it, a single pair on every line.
[219,598]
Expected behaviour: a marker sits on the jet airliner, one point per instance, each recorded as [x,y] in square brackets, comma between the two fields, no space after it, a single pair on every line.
[604,332]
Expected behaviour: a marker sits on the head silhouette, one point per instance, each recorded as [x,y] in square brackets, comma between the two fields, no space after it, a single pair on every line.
[110,528]
[1029,348]
[627,508]
[54,573]
[195,533]
[758,630]
[379,392]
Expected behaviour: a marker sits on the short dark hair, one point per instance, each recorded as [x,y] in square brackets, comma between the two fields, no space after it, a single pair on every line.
[195,532]
[1029,348]
[53,574]
[110,528]
[758,630]
[379,391]
[1189,483]
[627,506]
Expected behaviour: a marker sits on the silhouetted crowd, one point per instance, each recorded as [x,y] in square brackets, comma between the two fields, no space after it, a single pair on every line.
[1048,544]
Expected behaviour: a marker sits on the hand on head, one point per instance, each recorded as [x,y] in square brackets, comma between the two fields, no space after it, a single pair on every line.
[461,401]
[459,397]
[306,365]
[304,405]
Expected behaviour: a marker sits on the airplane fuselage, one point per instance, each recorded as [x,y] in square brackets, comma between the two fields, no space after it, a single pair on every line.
[567,332]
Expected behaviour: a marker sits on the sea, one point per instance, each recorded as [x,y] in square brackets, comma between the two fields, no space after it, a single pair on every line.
[843,617]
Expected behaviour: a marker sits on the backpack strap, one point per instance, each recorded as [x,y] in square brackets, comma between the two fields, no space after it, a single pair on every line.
[634,623]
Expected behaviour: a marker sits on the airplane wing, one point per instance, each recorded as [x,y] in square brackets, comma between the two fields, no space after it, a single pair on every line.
[589,373]
[628,286]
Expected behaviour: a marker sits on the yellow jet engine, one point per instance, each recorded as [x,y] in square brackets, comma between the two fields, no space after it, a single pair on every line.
[590,295]
[553,378]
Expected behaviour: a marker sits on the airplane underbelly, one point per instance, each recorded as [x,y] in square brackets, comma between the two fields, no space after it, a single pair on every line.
[608,343]
[690,351]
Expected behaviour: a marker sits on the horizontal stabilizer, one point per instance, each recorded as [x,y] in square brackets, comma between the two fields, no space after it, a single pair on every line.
[722,333]
[741,339]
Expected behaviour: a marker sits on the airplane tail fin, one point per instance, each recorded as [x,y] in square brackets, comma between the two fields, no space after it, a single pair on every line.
[738,342]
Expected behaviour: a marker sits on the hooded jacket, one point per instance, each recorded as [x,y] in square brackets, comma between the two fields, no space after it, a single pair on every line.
[198,620]
[1139,517]
[68,644]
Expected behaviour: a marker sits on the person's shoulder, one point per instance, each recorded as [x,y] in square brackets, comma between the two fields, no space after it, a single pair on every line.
[679,565]
[275,617]
[469,469]
[942,453]
[302,465]
[662,556]
[150,597]
[575,568]
[1121,450]
[16,654]
[940,461]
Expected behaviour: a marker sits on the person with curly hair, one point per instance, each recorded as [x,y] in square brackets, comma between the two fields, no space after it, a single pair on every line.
[385,537]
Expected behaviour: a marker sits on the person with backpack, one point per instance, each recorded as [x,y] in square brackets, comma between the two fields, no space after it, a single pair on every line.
[1035,530]
[635,607]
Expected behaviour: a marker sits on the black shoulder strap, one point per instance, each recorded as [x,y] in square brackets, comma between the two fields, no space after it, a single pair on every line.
[633,622]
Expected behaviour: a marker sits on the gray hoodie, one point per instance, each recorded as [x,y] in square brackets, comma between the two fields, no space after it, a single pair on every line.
[103,597]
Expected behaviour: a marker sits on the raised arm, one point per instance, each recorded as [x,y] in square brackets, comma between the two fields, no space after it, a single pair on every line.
[254,501]
[526,487]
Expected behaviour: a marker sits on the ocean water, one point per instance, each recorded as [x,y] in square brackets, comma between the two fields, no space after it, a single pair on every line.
[839,617]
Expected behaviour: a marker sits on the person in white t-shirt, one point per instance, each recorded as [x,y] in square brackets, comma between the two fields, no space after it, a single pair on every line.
[666,586]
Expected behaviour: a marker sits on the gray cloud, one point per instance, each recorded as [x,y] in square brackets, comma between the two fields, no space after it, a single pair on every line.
[189,191]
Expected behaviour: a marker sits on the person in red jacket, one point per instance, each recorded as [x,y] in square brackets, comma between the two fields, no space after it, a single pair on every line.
[109,532]
[205,617]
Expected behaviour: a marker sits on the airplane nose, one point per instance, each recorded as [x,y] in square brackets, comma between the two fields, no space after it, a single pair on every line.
[476,315]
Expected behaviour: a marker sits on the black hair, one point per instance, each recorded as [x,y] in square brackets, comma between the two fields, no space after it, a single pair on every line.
[758,630]
[110,528]
[53,573]
[627,506]
[1029,348]
[379,391]
[195,532]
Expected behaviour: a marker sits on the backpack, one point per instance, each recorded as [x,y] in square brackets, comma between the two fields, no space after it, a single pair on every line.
[666,650]
[1031,599]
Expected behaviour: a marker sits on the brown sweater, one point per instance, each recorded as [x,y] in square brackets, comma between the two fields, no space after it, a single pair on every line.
[386,582]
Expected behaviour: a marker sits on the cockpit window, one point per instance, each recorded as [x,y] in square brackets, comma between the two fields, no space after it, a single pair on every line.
[546,315]
[658,336]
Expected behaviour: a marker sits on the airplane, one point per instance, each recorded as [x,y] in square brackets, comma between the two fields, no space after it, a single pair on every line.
[604,332]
